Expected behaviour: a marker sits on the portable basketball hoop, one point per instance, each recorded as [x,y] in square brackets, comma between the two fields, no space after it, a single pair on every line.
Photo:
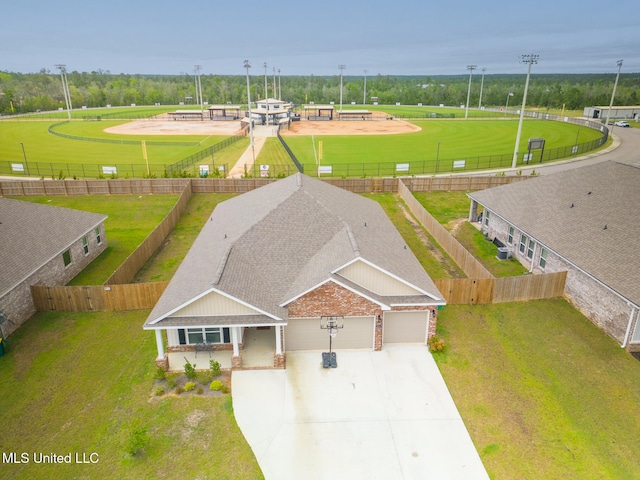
[332,324]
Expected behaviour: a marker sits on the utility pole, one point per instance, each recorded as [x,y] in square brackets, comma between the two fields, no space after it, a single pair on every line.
[530,60]
[471,68]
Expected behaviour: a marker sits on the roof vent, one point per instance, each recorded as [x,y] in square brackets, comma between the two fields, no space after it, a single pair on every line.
[571,206]
[605,227]
[588,193]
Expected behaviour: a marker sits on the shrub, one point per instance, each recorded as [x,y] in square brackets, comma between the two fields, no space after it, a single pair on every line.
[214,366]
[436,344]
[204,378]
[138,440]
[159,391]
[190,370]
[216,385]
[179,390]
[189,386]
[160,373]
[172,380]
[224,389]
[199,391]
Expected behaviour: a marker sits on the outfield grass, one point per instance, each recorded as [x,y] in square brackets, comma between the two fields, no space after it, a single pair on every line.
[543,392]
[274,155]
[81,383]
[131,219]
[481,143]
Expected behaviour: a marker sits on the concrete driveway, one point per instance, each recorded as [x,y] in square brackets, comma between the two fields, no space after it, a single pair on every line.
[379,415]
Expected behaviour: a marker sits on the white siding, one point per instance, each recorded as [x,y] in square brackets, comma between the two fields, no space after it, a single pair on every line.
[214,304]
[373,279]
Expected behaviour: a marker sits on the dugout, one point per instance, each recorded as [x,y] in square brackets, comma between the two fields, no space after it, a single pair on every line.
[224,112]
[186,115]
[318,112]
[355,115]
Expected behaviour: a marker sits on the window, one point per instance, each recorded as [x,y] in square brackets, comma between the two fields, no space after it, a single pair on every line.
[66,257]
[532,246]
[98,237]
[543,258]
[523,243]
[486,217]
[510,237]
[204,335]
[85,245]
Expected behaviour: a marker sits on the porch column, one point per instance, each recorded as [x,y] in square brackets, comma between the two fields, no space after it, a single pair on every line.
[278,340]
[234,339]
[159,343]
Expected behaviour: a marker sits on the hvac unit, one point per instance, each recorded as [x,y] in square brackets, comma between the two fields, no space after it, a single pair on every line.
[503,253]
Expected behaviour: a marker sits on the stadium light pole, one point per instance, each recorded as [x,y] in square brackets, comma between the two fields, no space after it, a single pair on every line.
[275,94]
[253,153]
[24,154]
[199,86]
[65,88]
[266,95]
[530,60]
[471,68]
[279,86]
[364,98]
[615,85]
[481,87]
[510,94]
[341,67]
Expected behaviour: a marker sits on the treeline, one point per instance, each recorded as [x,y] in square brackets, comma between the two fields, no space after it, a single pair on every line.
[23,93]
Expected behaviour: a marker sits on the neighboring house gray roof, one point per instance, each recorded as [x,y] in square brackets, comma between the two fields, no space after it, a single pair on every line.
[567,212]
[269,245]
[32,234]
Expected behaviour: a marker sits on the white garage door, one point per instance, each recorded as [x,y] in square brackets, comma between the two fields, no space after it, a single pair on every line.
[405,327]
[305,334]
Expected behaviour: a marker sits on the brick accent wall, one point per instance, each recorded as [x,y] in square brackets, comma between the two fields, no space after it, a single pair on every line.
[280,361]
[332,299]
[236,361]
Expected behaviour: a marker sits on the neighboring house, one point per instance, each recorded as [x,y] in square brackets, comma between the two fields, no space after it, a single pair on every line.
[285,255]
[585,221]
[42,245]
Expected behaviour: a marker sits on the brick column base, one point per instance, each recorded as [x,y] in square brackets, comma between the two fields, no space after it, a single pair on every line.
[433,323]
[280,361]
[236,361]
[377,344]
[163,362]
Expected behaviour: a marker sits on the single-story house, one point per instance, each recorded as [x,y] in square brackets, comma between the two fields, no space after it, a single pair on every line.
[42,245]
[584,221]
[283,257]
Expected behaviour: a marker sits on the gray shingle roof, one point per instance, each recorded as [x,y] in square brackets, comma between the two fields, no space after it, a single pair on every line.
[568,211]
[32,234]
[269,245]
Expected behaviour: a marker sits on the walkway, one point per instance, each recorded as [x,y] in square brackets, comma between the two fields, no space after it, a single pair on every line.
[246,160]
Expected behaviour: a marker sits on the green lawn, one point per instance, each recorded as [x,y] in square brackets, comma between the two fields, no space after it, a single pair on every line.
[81,383]
[273,154]
[481,143]
[131,219]
[543,392]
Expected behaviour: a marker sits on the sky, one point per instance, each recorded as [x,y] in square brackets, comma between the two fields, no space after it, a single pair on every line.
[393,37]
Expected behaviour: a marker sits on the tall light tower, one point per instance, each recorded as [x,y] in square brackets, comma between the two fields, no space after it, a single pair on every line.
[65,88]
[481,87]
[529,59]
[279,86]
[275,94]
[266,94]
[248,66]
[615,85]
[341,67]
[471,68]
[197,69]
[364,98]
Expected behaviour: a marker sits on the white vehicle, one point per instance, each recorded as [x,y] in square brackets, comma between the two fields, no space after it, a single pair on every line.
[621,123]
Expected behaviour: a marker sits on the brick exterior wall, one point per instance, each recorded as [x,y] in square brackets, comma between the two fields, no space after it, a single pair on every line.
[214,347]
[604,308]
[332,299]
[17,304]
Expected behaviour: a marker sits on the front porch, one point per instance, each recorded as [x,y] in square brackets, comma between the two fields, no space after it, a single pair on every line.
[258,352]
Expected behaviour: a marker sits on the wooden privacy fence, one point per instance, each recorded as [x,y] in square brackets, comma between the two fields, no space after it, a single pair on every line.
[458,183]
[467,262]
[134,262]
[479,291]
[97,298]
